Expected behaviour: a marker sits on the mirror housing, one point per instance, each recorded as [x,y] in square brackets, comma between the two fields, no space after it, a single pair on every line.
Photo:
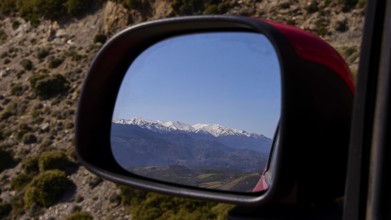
[308,160]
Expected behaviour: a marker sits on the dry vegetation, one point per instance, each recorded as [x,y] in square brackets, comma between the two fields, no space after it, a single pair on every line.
[44,55]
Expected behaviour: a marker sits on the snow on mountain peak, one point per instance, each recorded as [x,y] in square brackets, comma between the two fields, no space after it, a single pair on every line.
[176,125]
[218,130]
[213,129]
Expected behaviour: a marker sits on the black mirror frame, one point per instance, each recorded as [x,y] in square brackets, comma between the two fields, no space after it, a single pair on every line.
[305,86]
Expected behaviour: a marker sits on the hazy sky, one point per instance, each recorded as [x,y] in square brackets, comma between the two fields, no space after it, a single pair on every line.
[232,79]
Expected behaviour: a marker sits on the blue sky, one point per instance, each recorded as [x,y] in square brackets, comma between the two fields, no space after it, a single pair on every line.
[226,78]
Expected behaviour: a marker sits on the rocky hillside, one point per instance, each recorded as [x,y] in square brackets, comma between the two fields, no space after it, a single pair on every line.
[41,71]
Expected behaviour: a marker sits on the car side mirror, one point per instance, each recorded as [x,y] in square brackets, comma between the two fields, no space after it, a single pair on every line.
[232,109]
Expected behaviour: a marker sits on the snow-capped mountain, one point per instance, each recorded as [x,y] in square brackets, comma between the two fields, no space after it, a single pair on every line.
[215,130]
[143,143]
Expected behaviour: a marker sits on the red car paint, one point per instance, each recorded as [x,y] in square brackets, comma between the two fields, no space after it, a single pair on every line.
[312,48]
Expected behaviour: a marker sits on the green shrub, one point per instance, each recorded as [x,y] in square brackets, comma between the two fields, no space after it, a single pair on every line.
[348,3]
[3,36]
[56,159]
[6,159]
[211,9]
[48,86]
[191,7]
[43,53]
[20,181]
[80,216]
[131,4]
[46,188]
[23,129]
[75,7]
[5,209]
[45,144]
[349,51]
[158,206]
[30,165]
[362,3]
[55,62]
[187,7]
[17,89]
[29,138]
[33,10]
[2,135]
[4,55]
[321,26]
[7,7]
[15,25]
[144,205]
[223,7]
[75,56]
[312,7]
[10,110]
[100,38]
[26,64]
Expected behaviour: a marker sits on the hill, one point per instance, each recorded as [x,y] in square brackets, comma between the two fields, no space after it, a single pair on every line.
[39,48]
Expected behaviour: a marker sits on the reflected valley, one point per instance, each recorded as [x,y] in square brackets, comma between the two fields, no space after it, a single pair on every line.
[201,155]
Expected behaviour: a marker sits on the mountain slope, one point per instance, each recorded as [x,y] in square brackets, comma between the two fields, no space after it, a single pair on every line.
[134,145]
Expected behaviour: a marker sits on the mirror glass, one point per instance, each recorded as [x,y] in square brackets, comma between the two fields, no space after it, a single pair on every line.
[200,110]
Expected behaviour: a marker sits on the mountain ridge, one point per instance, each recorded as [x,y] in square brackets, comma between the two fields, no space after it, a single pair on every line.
[214,129]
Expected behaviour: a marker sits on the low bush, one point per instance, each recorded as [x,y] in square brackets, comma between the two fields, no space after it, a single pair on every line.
[321,26]
[55,159]
[47,86]
[158,206]
[212,9]
[29,138]
[349,4]
[3,36]
[17,89]
[7,7]
[223,7]
[144,205]
[5,209]
[23,129]
[30,165]
[43,53]
[26,64]
[55,62]
[131,196]
[191,7]
[20,181]
[10,110]
[75,7]
[46,188]
[184,7]
[6,159]
[34,10]
[100,38]
[2,135]
[312,7]
[15,25]
[75,56]
[132,4]
[80,216]
[6,61]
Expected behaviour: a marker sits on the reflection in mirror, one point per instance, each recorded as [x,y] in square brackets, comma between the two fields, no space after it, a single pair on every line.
[199,110]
